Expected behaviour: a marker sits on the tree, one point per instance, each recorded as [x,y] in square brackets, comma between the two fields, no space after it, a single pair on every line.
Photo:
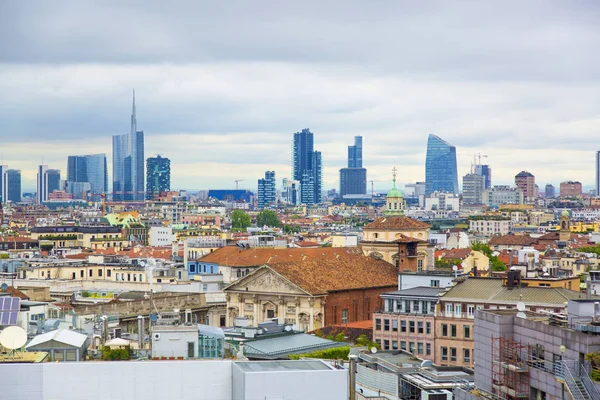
[482,247]
[267,218]
[240,220]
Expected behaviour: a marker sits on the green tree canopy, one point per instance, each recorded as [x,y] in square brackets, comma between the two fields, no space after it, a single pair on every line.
[239,219]
[267,218]
[482,247]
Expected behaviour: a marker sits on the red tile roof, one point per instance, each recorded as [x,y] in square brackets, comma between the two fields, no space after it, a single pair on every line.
[512,240]
[235,257]
[396,223]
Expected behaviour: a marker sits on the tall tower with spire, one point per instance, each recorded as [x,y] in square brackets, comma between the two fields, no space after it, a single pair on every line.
[394,202]
[128,163]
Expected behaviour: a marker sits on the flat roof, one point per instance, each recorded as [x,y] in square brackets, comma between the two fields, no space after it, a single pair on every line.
[291,365]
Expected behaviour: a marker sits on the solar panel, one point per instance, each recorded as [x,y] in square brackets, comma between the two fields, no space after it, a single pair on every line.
[9,310]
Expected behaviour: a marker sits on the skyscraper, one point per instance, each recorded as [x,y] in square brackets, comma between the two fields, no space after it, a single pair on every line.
[290,191]
[486,172]
[158,176]
[12,177]
[598,174]
[441,173]
[549,191]
[3,183]
[525,181]
[307,167]
[473,187]
[90,169]
[128,163]
[48,180]
[267,193]
[355,153]
[353,180]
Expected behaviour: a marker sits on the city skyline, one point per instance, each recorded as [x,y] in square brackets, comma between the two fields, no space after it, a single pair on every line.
[241,96]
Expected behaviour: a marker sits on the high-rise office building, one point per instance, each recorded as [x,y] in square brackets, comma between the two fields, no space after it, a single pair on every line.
[353,180]
[91,169]
[550,191]
[128,163]
[525,181]
[307,167]
[158,176]
[267,192]
[48,180]
[598,173]
[571,189]
[473,187]
[441,173]
[3,184]
[290,191]
[12,177]
[355,153]
[486,172]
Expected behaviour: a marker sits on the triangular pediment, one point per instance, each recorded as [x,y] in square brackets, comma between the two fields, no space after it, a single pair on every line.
[265,280]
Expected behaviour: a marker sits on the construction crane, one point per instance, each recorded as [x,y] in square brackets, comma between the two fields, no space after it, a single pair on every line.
[237,181]
[373,188]
[477,160]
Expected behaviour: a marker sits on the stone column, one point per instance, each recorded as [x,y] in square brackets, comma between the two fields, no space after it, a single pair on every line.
[257,311]
[281,309]
[297,304]
[240,299]
[311,323]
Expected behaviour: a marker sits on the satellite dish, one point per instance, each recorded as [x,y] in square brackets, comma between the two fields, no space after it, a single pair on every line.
[153,317]
[4,287]
[521,306]
[13,337]
[545,269]
[521,315]
[563,348]
[373,349]
[454,268]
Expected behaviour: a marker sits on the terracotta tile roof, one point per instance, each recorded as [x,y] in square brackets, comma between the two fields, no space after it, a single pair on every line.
[396,222]
[512,240]
[346,272]
[406,239]
[453,254]
[15,293]
[235,257]
[306,243]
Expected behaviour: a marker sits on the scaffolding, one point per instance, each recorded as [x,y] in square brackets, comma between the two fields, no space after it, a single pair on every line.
[510,369]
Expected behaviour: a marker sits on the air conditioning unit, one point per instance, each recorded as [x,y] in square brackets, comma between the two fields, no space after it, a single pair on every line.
[156,336]
[436,395]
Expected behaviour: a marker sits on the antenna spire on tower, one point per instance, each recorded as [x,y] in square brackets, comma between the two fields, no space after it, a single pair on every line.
[394,175]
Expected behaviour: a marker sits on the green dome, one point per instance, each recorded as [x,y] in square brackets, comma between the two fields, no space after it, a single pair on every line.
[565,213]
[394,193]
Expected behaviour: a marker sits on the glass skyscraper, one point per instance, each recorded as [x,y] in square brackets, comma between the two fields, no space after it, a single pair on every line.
[91,169]
[267,193]
[486,172]
[158,176]
[441,173]
[307,167]
[48,180]
[12,177]
[353,180]
[128,163]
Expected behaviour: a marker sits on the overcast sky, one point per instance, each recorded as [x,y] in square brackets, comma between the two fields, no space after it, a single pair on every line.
[222,86]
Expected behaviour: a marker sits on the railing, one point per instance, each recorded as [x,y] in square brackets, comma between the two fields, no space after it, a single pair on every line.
[588,383]
[569,375]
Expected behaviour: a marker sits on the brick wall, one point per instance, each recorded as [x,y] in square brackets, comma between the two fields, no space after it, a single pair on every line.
[360,303]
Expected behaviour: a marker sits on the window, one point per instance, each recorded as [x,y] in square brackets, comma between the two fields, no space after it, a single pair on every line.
[108,272]
[402,326]
[432,307]
[411,326]
[420,327]
[444,354]
[394,345]
[345,318]
[205,289]
[419,265]
[444,329]
[416,306]
[467,329]
[449,308]
[99,272]
[470,311]
[394,325]
[80,273]
[452,353]
[419,348]
[457,309]
[403,345]
[386,323]
[193,268]
[434,283]
[428,328]
[411,347]
[427,349]
[386,344]
[453,330]
[377,324]
[467,355]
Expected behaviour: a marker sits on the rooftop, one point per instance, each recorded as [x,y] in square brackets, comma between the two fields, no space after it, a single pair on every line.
[397,222]
[419,291]
[299,365]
